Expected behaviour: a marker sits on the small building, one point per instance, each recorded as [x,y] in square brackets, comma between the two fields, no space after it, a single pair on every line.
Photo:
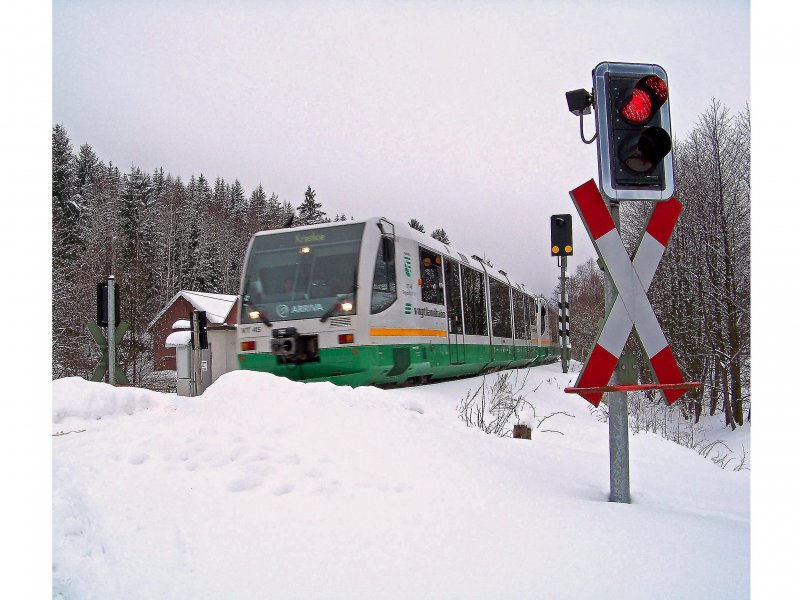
[221,314]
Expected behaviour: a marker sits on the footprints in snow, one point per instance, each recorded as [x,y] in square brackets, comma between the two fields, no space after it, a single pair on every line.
[260,468]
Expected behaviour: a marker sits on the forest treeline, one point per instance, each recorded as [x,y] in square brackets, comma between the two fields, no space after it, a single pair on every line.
[701,291]
[157,234]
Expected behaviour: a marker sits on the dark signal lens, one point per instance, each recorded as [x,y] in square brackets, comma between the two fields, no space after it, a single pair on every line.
[638,109]
[642,152]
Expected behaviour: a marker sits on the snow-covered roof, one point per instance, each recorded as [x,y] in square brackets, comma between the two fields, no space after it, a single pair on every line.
[182,324]
[217,306]
[178,338]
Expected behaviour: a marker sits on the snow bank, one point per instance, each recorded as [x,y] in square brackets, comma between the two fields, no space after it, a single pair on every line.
[263,487]
[76,398]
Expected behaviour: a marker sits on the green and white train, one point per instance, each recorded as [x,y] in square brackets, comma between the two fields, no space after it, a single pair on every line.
[376,302]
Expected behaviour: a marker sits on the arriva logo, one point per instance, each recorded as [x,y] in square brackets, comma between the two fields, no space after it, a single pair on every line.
[407,308]
[407,264]
[284,311]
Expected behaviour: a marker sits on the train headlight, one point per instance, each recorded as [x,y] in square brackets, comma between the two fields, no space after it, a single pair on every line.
[254,314]
[347,306]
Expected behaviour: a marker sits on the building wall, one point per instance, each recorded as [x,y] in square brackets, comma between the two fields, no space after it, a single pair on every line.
[223,351]
[164,358]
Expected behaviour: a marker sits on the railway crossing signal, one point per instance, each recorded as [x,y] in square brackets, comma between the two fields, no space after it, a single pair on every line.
[561,235]
[631,308]
[108,304]
[102,304]
[633,131]
[561,246]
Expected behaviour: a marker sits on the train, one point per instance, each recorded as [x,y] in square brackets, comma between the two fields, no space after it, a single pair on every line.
[377,302]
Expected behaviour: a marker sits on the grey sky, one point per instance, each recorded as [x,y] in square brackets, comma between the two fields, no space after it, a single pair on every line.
[451,113]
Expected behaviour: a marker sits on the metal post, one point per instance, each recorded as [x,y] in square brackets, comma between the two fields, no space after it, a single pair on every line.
[197,386]
[112,347]
[564,317]
[617,405]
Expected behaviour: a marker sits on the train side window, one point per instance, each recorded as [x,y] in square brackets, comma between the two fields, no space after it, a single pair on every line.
[384,283]
[472,287]
[501,308]
[544,317]
[520,319]
[430,269]
[530,305]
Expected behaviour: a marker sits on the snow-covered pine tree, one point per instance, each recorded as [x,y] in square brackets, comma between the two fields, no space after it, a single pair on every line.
[86,171]
[257,209]
[135,274]
[310,211]
[413,223]
[441,235]
[66,208]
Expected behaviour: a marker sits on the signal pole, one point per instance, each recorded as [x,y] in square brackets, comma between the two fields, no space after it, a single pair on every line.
[561,246]
[563,316]
[112,347]
[197,388]
[617,402]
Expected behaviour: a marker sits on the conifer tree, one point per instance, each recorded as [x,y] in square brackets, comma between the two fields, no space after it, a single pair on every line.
[66,209]
[441,235]
[417,225]
[257,209]
[87,166]
[310,211]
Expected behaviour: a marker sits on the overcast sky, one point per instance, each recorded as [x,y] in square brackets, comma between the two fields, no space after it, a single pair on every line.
[450,113]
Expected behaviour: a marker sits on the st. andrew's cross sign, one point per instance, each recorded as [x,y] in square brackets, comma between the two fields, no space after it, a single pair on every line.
[631,308]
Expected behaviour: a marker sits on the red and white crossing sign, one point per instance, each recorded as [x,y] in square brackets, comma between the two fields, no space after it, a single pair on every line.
[631,308]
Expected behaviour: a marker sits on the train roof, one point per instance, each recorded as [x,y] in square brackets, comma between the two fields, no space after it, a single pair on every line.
[403,229]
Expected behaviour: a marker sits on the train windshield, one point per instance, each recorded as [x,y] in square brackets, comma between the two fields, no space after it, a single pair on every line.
[302,274]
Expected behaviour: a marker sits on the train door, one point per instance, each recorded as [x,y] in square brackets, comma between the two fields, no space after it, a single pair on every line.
[522,336]
[455,323]
[541,328]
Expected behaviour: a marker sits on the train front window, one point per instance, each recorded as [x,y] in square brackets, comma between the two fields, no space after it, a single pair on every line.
[302,274]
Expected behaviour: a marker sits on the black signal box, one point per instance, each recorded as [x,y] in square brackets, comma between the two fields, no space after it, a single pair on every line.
[102,305]
[561,235]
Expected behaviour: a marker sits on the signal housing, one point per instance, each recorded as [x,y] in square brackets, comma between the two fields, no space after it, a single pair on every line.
[634,147]
[561,235]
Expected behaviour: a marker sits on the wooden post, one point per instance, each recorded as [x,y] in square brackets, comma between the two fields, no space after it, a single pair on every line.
[522,432]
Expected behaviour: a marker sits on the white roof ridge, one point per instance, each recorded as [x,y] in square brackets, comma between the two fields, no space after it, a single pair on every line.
[218,312]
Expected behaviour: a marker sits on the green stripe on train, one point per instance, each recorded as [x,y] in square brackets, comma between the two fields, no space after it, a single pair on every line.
[366,365]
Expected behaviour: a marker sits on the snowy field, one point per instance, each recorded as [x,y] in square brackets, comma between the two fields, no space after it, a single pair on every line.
[266,488]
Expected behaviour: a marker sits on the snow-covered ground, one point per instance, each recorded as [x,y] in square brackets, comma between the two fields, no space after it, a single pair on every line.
[266,488]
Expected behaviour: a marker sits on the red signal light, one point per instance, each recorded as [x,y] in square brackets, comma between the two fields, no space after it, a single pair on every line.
[642,102]
[638,109]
